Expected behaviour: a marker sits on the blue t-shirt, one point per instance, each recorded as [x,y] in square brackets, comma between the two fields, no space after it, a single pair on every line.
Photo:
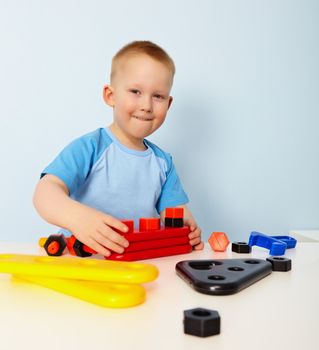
[128,184]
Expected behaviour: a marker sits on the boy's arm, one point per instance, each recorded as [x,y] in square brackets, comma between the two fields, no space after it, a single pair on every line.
[90,226]
[195,234]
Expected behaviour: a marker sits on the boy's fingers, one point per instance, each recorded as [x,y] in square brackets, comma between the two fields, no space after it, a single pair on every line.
[117,224]
[190,224]
[109,243]
[194,234]
[116,238]
[199,246]
[98,247]
[107,233]
[195,241]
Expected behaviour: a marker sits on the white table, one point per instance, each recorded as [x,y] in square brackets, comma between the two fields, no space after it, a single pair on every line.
[280,311]
[305,235]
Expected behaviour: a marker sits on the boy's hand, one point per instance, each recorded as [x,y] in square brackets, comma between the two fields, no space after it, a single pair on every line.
[195,234]
[96,230]
[90,226]
[195,237]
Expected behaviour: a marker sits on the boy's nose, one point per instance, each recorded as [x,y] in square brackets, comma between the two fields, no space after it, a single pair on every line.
[146,105]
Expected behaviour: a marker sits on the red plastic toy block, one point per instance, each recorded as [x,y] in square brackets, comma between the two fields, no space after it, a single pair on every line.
[151,241]
[158,234]
[154,244]
[157,239]
[174,213]
[218,241]
[157,243]
[149,224]
[152,253]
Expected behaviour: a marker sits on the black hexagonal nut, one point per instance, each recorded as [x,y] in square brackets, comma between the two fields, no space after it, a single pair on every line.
[201,322]
[78,249]
[60,239]
[241,247]
[280,263]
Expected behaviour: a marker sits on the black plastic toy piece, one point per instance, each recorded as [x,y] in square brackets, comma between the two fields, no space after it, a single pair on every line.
[174,222]
[55,245]
[78,248]
[241,247]
[201,322]
[224,276]
[280,263]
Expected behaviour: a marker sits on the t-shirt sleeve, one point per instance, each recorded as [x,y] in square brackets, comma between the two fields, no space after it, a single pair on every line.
[172,193]
[73,164]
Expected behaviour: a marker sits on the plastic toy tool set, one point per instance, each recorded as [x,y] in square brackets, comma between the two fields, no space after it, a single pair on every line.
[150,241]
[229,276]
[117,281]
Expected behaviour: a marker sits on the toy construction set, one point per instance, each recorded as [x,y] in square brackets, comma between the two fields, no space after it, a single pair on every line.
[117,281]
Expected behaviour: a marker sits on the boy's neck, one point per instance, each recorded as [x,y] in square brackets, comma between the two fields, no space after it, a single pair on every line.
[125,140]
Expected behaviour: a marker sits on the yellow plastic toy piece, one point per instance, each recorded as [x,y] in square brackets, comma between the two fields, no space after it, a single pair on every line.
[99,293]
[79,269]
[42,241]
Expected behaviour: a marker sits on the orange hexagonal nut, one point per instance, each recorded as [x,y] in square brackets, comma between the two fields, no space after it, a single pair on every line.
[218,241]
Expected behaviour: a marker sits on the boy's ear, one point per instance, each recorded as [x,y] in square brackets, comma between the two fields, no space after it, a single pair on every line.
[170,100]
[108,95]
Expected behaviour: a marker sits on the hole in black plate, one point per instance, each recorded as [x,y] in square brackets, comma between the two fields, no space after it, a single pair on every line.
[235,268]
[252,261]
[278,258]
[242,243]
[216,278]
[202,265]
[201,313]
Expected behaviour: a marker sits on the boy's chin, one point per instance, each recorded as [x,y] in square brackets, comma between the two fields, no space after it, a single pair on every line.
[141,133]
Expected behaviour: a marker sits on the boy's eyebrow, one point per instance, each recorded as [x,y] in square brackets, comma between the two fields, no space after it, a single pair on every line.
[161,92]
[135,86]
[138,86]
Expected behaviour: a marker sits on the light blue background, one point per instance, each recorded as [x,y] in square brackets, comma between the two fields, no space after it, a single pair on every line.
[244,125]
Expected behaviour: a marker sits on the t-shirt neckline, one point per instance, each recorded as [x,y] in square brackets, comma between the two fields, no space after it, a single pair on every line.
[127,149]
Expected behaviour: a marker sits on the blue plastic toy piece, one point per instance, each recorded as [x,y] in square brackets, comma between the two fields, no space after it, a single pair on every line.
[290,241]
[275,246]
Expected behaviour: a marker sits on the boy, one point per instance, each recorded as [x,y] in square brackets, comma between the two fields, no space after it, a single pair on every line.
[114,173]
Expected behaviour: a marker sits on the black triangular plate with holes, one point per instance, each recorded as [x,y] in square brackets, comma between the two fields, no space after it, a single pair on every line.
[222,276]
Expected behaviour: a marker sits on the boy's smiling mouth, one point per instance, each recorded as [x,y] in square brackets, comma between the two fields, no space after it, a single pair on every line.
[143,118]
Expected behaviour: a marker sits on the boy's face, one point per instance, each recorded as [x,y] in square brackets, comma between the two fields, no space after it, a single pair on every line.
[139,95]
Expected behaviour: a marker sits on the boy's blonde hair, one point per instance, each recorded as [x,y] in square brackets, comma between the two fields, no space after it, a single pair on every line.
[143,47]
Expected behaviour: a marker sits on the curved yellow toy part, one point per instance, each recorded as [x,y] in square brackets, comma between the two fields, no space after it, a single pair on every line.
[99,293]
[78,268]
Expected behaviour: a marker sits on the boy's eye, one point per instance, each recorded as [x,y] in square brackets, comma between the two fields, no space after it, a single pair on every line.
[160,97]
[135,91]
